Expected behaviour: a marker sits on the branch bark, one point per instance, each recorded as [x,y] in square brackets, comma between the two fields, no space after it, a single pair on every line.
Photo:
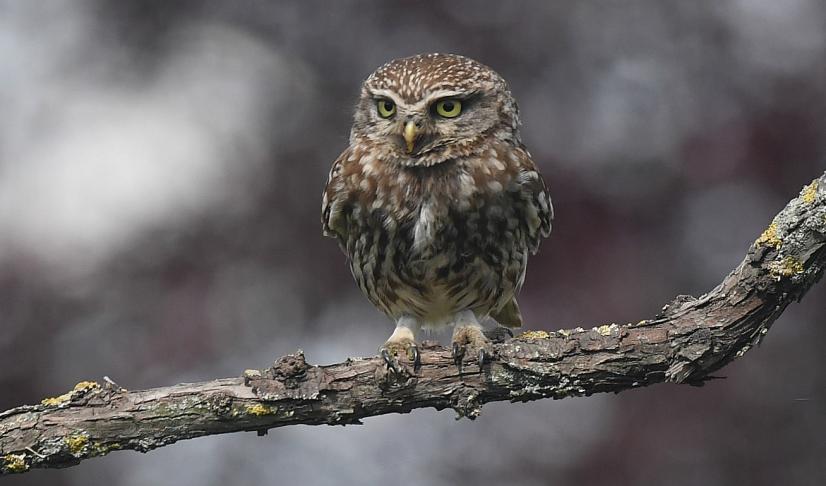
[688,340]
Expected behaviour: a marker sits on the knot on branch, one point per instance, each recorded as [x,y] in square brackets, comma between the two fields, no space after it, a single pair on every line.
[290,369]
[290,377]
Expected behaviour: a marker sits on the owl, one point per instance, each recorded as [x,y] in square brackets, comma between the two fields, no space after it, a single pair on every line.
[436,203]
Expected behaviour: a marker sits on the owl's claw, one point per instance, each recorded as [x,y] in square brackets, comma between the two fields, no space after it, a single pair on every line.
[390,361]
[458,353]
[392,350]
[470,341]
[417,359]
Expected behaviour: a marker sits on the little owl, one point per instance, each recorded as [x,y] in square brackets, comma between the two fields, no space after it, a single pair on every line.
[437,203]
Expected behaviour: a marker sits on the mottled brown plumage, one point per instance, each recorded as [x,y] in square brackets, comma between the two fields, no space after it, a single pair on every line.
[437,212]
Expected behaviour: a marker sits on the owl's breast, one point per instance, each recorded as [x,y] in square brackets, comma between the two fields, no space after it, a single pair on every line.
[460,224]
[435,240]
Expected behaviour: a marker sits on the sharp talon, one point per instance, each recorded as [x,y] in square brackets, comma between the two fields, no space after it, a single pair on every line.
[389,361]
[417,359]
[458,352]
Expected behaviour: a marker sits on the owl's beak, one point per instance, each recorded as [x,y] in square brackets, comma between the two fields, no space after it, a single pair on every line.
[411,131]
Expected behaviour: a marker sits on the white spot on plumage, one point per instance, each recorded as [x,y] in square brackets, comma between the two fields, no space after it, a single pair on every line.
[496,163]
[424,230]
[466,185]
[368,167]
[543,202]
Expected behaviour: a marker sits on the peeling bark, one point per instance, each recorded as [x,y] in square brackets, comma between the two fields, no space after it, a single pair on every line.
[688,340]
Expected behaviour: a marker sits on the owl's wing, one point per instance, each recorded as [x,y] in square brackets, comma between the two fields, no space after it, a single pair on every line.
[508,315]
[538,208]
[334,200]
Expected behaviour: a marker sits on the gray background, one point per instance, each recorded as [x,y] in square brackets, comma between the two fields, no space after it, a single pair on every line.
[161,166]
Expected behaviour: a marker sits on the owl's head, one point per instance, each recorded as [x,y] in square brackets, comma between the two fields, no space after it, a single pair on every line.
[426,109]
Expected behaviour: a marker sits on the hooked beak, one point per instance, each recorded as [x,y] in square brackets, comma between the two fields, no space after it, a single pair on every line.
[411,131]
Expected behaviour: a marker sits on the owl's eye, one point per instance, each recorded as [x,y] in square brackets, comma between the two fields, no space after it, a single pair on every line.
[449,108]
[386,108]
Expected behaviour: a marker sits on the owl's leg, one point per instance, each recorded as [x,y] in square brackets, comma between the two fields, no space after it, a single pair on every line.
[469,340]
[402,343]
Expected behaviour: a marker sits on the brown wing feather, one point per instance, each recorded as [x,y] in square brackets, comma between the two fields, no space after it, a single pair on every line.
[509,315]
[334,200]
[539,210]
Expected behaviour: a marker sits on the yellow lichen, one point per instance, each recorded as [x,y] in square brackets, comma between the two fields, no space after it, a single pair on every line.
[82,387]
[85,386]
[769,237]
[102,448]
[258,409]
[607,329]
[15,463]
[809,193]
[787,267]
[55,401]
[76,443]
[534,335]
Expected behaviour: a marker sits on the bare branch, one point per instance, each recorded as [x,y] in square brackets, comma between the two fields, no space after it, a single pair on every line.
[688,340]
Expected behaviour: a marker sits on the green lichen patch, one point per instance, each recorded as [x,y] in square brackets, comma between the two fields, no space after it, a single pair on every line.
[77,443]
[102,448]
[769,237]
[809,193]
[15,463]
[79,389]
[787,267]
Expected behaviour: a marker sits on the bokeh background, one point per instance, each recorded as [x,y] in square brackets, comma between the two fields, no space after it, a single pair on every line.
[161,168]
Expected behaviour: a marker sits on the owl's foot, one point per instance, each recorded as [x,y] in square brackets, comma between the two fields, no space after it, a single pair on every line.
[470,341]
[392,350]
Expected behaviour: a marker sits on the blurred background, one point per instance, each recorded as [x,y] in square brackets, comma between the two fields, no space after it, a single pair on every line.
[161,169]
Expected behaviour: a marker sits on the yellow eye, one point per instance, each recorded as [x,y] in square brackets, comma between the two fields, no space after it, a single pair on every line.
[386,108]
[449,108]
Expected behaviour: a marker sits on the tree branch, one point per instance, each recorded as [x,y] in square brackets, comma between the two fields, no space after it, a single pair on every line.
[688,340]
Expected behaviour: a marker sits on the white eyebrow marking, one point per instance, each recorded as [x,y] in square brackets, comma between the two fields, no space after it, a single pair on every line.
[386,93]
[442,93]
[419,105]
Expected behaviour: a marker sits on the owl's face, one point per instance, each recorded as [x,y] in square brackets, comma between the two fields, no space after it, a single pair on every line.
[426,109]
